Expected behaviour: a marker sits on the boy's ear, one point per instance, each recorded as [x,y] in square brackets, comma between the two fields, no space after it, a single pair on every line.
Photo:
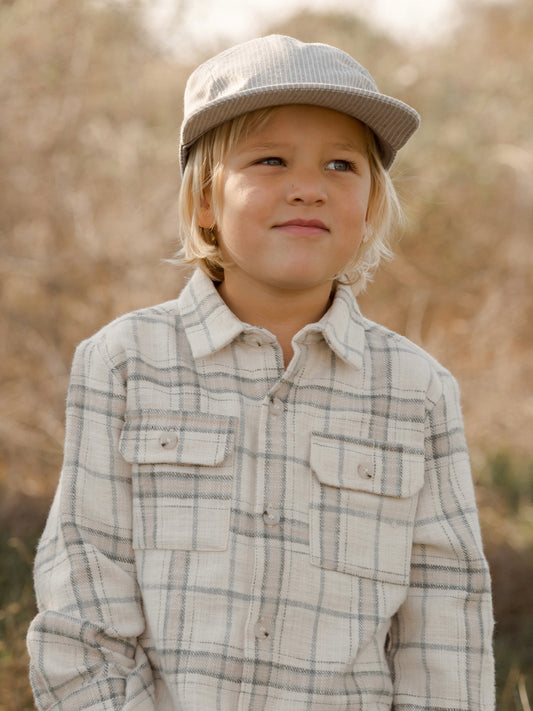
[206,216]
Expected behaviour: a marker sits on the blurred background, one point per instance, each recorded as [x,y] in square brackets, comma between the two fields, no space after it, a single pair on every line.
[90,107]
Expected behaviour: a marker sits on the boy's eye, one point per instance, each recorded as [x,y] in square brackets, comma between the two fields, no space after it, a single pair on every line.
[342,166]
[271,161]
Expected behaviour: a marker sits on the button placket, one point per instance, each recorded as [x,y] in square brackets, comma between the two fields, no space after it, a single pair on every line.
[268,559]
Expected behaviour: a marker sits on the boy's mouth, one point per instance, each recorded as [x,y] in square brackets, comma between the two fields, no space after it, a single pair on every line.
[299,226]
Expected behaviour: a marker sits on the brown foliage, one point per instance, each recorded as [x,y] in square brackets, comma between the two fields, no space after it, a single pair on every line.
[88,185]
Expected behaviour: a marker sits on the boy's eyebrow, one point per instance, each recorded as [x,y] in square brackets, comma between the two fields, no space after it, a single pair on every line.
[264,145]
[349,146]
[270,145]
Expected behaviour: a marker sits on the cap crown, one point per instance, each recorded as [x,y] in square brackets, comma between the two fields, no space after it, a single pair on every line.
[279,70]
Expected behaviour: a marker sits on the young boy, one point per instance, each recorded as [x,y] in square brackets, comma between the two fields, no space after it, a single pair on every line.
[266,500]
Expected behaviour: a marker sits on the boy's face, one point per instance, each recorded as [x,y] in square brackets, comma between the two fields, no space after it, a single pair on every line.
[293,202]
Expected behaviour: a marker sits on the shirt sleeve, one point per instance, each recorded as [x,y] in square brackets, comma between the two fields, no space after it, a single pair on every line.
[83,644]
[441,638]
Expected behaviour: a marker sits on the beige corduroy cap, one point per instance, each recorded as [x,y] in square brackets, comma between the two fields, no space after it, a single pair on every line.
[278,70]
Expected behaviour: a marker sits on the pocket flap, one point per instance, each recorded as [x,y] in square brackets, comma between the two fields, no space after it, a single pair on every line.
[388,469]
[168,438]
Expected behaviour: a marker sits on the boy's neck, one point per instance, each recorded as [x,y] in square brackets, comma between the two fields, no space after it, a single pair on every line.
[282,312]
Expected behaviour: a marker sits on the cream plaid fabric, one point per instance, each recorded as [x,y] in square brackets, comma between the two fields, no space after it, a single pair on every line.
[230,535]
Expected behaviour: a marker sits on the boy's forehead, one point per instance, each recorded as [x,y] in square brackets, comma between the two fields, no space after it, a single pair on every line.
[284,122]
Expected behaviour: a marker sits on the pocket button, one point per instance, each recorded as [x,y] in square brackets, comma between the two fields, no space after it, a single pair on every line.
[262,629]
[364,472]
[168,440]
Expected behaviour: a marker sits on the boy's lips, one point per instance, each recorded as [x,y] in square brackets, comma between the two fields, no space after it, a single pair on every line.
[299,226]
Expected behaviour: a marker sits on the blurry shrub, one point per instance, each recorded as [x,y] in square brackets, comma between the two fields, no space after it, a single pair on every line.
[506,501]
[511,476]
[512,579]
[21,520]
[17,607]
[88,183]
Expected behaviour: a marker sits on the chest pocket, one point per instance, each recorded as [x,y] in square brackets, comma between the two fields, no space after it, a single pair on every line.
[362,508]
[182,477]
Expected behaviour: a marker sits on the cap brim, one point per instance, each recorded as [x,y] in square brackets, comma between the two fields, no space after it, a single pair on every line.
[392,121]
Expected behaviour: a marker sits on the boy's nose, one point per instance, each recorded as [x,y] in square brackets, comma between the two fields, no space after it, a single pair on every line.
[306,187]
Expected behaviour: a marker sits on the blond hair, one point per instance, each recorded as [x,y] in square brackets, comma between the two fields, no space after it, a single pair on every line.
[203,175]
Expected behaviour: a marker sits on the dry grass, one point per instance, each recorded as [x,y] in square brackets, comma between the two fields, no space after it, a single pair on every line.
[88,183]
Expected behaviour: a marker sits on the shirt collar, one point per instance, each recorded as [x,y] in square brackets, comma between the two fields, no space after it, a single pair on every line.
[342,327]
[210,325]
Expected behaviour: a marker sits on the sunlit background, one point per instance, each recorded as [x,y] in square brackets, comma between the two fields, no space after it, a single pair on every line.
[194,27]
[90,107]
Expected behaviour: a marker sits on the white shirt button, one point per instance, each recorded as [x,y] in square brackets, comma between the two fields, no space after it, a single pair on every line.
[168,440]
[276,406]
[262,629]
[271,517]
[251,339]
[364,472]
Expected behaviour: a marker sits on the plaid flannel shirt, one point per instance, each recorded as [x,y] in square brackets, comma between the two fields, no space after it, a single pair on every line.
[230,534]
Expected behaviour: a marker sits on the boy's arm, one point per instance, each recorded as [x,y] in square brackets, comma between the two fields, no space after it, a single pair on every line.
[441,638]
[83,643]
